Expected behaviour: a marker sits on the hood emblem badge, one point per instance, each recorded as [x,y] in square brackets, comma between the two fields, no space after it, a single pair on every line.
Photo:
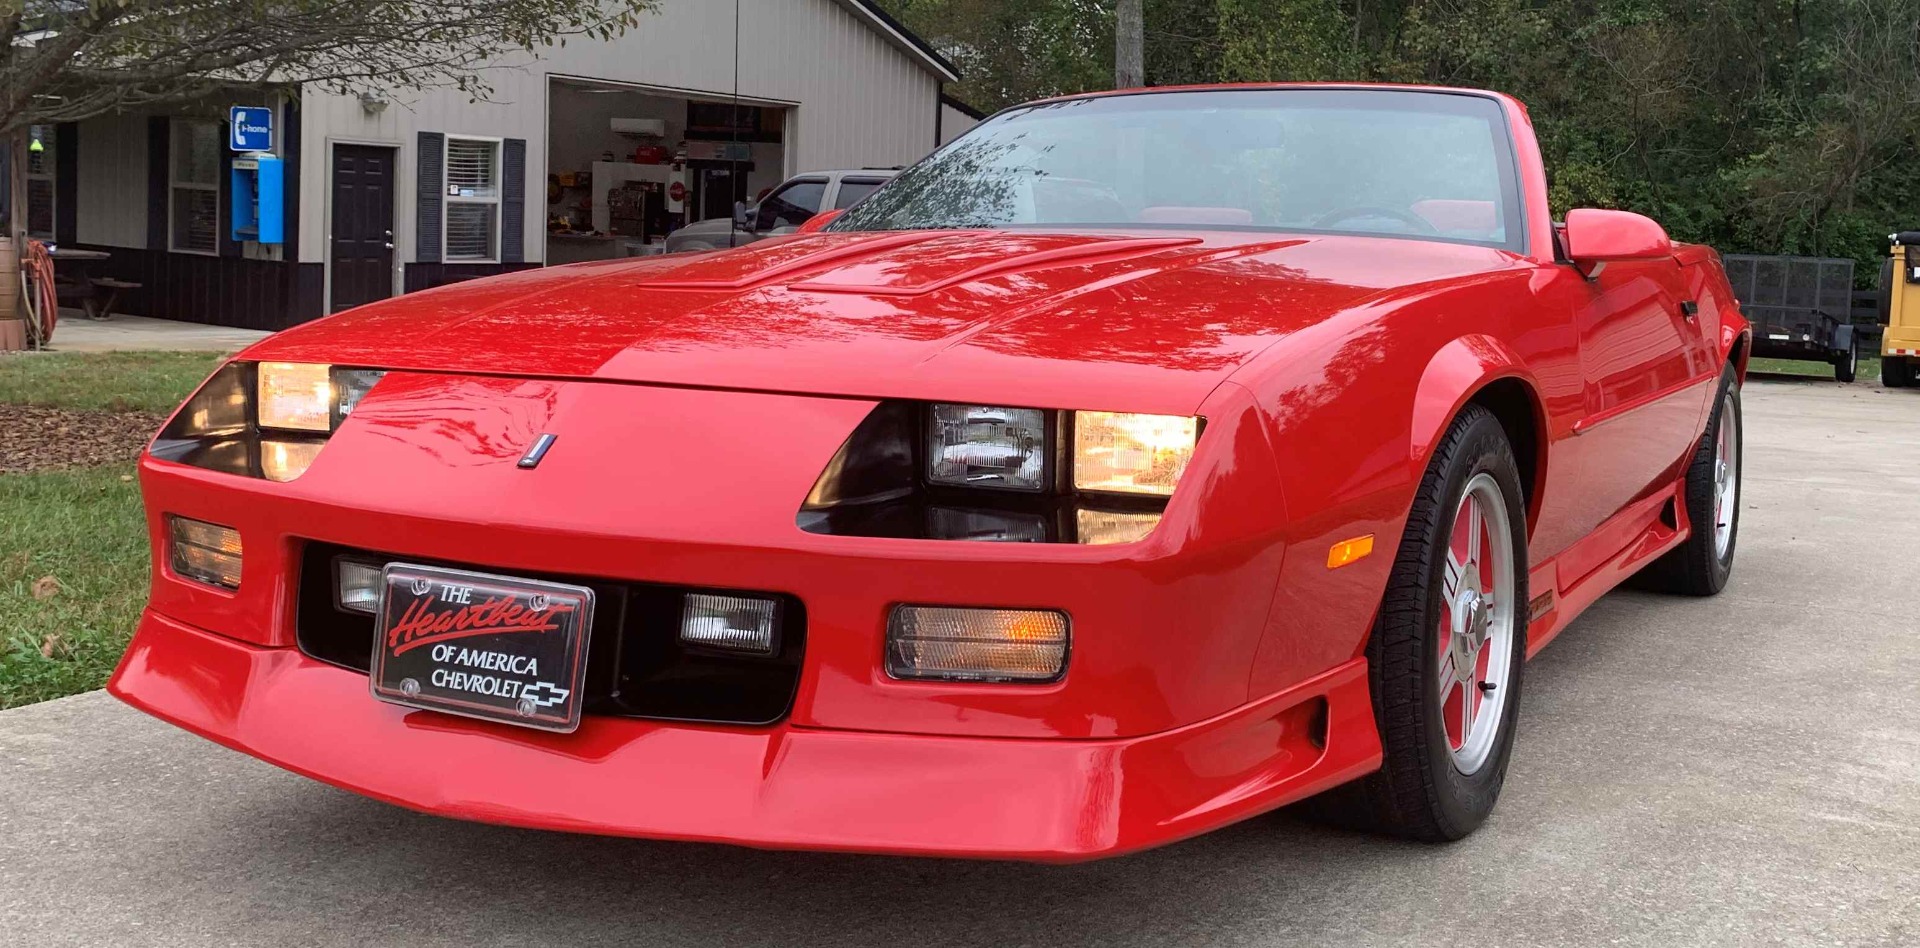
[531,459]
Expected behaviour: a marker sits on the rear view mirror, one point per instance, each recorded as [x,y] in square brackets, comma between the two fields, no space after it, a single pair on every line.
[1595,238]
[742,215]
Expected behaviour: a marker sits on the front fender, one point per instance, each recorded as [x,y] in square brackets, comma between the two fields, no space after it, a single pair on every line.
[1457,372]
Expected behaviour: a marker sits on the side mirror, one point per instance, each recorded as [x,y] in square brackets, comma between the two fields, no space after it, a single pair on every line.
[1596,238]
[822,219]
[742,215]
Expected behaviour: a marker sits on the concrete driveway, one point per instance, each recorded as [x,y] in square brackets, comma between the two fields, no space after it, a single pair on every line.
[1736,771]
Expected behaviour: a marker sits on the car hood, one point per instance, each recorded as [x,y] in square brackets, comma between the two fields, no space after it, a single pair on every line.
[711,227]
[1139,321]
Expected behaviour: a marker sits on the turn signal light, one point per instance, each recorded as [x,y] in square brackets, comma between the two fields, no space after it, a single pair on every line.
[946,643]
[1349,551]
[204,552]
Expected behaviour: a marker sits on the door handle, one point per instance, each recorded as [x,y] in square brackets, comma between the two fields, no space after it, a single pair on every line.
[389,245]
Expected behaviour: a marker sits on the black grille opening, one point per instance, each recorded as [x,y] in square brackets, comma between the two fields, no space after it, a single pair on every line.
[636,664]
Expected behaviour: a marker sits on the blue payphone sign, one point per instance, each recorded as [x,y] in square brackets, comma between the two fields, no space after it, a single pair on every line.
[250,128]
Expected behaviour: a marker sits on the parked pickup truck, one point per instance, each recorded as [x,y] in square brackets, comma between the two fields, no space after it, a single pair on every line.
[783,211]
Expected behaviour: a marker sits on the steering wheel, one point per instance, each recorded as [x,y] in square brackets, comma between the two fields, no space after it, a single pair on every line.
[1419,224]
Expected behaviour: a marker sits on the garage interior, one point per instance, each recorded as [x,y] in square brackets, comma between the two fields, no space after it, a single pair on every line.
[628,165]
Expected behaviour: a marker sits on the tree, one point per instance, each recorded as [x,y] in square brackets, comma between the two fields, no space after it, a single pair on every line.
[1129,49]
[1759,126]
[67,60]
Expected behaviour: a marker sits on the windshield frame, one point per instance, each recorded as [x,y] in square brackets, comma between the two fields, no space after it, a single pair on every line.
[1515,211]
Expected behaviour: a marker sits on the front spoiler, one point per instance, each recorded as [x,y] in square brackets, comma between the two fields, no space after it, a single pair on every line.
[782,787]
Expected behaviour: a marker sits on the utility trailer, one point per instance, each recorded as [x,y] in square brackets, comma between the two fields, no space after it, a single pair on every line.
[1800,308]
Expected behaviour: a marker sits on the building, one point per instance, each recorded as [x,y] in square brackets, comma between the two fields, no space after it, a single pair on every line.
[388,196]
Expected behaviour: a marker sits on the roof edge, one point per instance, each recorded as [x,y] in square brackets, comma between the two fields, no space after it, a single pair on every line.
[902,37]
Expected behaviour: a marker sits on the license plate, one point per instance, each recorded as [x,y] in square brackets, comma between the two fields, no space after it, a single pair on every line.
[484,646]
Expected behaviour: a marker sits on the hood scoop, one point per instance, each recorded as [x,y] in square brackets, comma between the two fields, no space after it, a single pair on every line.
[967,258]
[900,264]
[772,260]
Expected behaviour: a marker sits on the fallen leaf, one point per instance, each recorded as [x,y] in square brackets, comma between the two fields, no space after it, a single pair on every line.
[46,587]
[53,645]
[126,477]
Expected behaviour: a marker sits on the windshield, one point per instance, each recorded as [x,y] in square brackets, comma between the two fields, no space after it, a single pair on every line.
[1382,162]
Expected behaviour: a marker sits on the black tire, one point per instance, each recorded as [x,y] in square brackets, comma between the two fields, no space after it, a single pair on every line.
[1697,567]
[1846,365]
[1419,791]
[1896,372]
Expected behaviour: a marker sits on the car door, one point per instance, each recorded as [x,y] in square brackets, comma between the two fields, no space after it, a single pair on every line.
[1644,386]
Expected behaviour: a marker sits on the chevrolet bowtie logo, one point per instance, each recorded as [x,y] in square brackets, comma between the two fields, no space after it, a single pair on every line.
[544,694]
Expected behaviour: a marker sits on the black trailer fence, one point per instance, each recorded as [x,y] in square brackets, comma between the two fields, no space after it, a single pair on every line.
[1801,307]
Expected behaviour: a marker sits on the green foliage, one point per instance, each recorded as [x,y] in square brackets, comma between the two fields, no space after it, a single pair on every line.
[154,382]
[1760,126]
[66,60]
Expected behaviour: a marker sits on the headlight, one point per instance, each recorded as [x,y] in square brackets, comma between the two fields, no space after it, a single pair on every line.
[948,471]
[985,446]
[1124,453]
[267,420]
[310,396]
[296,396]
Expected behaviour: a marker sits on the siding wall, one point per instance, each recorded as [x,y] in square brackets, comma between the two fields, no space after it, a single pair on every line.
[862,100]
[954,123]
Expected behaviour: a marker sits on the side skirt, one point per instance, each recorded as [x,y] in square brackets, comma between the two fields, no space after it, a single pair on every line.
[1622,545]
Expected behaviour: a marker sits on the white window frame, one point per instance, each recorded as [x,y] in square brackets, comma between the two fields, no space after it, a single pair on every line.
[449,199]
[51,165]
[174,129]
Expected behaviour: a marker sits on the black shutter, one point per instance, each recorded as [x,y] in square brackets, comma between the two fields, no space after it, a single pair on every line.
[66,183]
[430,195]
[158,143]
[513,201]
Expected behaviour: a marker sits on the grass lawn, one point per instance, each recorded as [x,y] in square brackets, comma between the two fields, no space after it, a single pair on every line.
[105,381]
[1868,371]
[84,528]
[81,526]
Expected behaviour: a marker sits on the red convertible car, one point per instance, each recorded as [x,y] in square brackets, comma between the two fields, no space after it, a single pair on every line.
[1136,464]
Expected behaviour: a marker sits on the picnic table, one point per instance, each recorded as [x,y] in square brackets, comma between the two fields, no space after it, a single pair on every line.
[74,278]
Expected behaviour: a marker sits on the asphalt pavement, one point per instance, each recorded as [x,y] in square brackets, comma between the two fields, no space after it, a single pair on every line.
[1742,770]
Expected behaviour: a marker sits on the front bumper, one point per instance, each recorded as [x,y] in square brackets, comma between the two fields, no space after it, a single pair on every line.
[783,787]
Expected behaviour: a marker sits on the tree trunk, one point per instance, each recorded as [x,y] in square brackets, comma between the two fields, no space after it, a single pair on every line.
[1129,45]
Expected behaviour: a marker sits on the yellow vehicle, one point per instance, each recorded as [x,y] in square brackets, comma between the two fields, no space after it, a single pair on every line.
[1900,311]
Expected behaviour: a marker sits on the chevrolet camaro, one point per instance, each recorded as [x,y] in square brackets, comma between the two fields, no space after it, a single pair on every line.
[1138,463]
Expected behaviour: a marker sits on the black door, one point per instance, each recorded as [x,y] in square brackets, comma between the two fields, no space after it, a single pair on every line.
[362,225]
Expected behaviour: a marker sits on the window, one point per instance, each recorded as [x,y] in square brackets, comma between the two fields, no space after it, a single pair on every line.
[193,198]
[40,191]
[791,205]
[473,200]
[853,189]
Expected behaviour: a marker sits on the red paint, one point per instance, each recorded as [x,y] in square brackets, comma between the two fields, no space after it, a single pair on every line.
[1326,368]
[822,219]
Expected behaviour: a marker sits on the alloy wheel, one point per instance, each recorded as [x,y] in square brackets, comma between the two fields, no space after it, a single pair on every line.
[1476,624]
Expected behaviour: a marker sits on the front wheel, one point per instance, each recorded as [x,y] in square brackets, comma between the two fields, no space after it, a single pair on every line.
[1447,650]
[1700,565]
[1846,365]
